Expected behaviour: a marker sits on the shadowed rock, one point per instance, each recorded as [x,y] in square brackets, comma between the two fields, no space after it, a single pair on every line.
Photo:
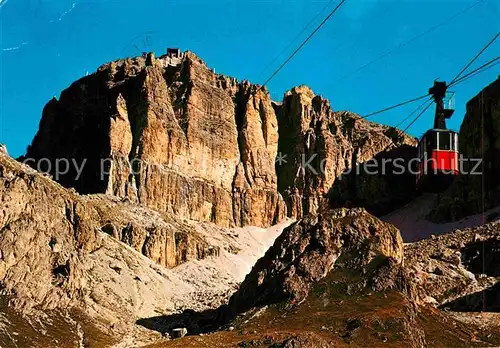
[380,185]
[478,140]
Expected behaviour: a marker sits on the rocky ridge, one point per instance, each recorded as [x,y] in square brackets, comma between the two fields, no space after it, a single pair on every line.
[94,263]
[174,136]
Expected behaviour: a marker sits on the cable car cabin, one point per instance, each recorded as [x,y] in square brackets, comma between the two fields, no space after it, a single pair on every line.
[438,165]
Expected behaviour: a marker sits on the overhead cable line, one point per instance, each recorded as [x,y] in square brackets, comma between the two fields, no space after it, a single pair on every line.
[476,57]
[413,112]
[388,53]
[297,36]
[486,66]
[253,94]
[395,106]
[457,77]
[303,43]
[416,118]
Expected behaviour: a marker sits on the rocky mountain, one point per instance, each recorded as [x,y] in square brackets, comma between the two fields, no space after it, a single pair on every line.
[351,241]
[344,278]
[173,135]
[130,231]
[84,268]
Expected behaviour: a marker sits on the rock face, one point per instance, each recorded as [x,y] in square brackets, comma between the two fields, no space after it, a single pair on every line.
[79,268]
[172,135]
[381,185]
[479,138]
[318,145]
[307,251]
[3,149]
[48,232]
[453,270]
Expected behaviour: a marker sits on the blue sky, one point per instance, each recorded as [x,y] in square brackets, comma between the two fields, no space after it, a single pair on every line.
[47,44]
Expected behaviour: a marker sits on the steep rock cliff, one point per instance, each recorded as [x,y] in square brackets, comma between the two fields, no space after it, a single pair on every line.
[170,134]
[479,140]
[318,145]
[173,135]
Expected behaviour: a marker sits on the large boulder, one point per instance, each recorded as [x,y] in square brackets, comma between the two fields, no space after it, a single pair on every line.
[353,241]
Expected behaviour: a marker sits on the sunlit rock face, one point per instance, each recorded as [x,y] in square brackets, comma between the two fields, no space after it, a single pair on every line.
[170,134]
[173,135]
[319,144]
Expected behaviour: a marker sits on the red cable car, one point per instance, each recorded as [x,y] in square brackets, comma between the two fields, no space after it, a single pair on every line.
[438,148]
[438,165]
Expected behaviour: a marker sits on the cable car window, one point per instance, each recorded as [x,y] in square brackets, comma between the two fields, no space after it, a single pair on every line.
[431,141]
[445,140]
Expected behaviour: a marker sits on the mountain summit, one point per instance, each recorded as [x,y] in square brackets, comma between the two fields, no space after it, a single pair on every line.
[173,135]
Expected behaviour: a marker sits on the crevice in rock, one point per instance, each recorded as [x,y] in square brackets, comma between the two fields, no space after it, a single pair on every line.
[73,220]
[263,122]
[487,300]
[482,257]
[144,248]
[60,274]
[180,85]
[125,234]
[241,103]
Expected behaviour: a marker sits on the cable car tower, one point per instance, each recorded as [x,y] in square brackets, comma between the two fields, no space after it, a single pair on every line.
[438,92]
